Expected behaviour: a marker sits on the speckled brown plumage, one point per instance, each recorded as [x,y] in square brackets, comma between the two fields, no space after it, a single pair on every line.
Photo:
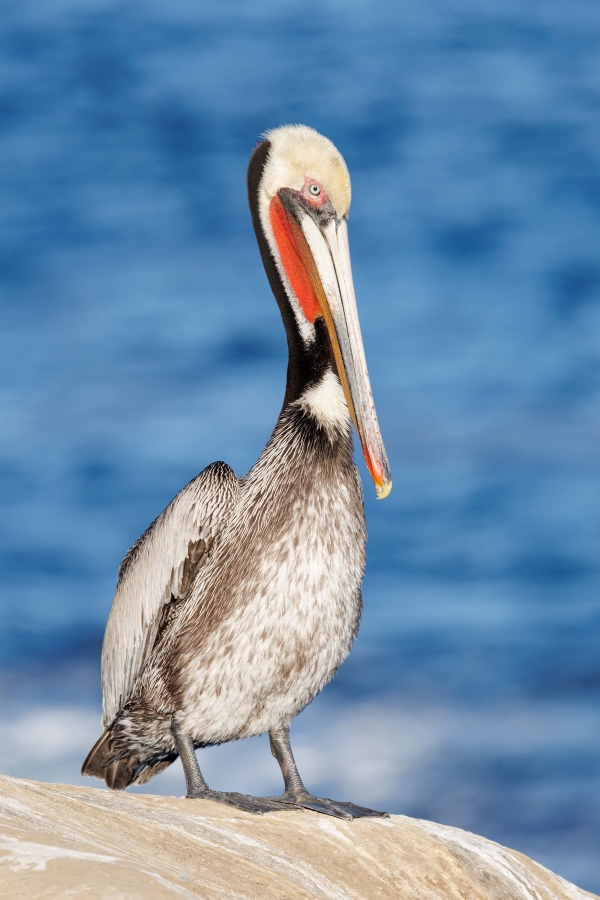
[278,595]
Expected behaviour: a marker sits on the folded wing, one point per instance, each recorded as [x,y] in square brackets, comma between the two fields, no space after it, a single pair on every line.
[158,570]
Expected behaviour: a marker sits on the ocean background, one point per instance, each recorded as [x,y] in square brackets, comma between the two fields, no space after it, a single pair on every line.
[140,342]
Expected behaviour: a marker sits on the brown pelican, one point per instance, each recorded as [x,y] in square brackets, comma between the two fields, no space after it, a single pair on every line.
[243,597]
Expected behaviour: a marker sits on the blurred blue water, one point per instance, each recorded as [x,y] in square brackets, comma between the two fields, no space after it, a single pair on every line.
[140,342]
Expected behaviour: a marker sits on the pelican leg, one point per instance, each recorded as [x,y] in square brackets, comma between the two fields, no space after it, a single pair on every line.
[197,788]
[295,792]
[195,783]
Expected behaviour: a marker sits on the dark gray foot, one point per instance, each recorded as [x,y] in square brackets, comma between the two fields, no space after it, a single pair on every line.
[297,795]
[334,807]
[257,805]
[260,805]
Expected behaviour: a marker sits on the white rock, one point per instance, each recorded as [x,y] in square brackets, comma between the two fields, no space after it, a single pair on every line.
[74,842]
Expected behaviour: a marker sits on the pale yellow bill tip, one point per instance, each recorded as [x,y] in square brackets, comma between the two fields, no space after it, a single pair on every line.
[383,490]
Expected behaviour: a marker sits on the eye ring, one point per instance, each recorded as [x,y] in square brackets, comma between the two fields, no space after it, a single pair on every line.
[314,190]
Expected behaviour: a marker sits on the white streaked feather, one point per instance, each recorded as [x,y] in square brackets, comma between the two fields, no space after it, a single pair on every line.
[152,573]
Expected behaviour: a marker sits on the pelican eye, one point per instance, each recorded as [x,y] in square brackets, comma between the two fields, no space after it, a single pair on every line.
[314,190]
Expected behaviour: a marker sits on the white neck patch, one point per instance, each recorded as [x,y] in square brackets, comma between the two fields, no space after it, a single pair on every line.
[327,404]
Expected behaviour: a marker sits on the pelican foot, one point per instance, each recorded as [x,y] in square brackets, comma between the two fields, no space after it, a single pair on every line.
[258,805]
[336,808]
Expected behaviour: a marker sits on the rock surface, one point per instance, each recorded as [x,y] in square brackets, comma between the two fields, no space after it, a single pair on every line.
[73,842]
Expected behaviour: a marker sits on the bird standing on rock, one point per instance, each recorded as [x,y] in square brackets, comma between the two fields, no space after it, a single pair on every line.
[241,600]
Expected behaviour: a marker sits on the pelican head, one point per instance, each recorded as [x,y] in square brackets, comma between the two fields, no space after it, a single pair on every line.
[300,195]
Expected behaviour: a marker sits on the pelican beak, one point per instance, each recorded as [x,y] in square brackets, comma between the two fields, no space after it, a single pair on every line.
[322,254]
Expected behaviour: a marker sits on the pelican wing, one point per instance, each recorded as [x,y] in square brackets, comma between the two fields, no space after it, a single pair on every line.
[158,570]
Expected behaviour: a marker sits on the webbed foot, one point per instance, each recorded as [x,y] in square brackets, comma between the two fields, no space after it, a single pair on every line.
[338,808]
[258,805]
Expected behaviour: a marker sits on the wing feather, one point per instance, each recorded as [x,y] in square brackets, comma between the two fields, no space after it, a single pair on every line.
[158,569]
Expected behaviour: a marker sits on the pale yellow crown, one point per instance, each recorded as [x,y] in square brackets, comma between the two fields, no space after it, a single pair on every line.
[299,152]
